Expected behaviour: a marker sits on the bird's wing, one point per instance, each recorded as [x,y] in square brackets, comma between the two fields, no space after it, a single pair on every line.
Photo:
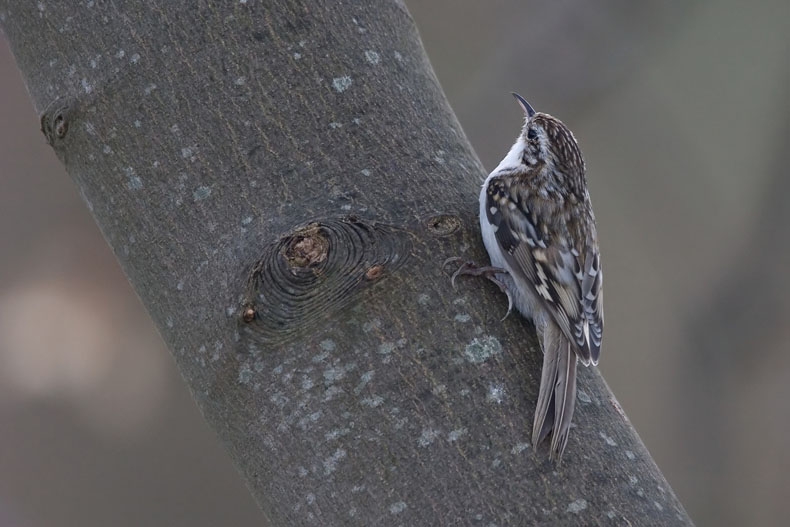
[592,299]
[567,281]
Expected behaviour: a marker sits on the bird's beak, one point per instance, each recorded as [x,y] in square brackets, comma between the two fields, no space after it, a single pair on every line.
[524,105]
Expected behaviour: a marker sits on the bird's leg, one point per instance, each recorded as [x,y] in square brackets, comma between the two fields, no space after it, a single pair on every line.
[470,268]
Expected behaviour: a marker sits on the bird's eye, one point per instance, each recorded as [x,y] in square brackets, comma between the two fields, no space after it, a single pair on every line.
[532,133]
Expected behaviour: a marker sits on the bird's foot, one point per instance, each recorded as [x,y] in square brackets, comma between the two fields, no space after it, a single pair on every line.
[490,272]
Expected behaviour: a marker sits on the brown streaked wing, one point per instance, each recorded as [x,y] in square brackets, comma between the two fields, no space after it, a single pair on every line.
[543,262]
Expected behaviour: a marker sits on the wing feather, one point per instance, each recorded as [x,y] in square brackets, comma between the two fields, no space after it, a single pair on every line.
[551,264]
[592,300]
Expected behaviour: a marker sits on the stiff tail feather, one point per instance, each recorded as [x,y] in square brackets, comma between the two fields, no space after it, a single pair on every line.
[557,396]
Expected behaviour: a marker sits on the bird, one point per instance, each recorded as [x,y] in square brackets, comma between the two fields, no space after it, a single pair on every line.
[538,226]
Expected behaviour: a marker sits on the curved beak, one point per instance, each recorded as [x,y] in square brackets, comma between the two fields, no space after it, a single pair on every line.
[524,105]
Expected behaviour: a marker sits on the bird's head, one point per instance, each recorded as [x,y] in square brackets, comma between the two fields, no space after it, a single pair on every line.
[547,141]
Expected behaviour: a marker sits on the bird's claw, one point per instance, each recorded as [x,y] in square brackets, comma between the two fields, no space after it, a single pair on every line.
[490,272]
[509,304]
[450,260]
[461,270]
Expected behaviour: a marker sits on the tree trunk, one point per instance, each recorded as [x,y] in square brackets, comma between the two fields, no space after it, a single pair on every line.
[281,183]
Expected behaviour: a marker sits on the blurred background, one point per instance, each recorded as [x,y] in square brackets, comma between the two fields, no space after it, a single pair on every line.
[683,112]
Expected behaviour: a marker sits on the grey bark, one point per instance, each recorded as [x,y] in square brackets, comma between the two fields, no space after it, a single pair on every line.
[281,183]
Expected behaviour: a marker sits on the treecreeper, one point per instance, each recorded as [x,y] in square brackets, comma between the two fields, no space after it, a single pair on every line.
[538,226]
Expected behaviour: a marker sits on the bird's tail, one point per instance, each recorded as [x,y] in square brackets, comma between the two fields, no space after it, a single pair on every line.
[557,395]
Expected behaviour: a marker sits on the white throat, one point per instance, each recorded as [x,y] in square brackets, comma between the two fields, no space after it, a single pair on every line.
[513,157]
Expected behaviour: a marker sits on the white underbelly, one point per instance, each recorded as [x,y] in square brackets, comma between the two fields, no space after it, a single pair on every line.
[523,299]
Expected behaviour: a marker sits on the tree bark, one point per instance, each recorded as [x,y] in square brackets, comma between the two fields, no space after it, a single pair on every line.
[281,183]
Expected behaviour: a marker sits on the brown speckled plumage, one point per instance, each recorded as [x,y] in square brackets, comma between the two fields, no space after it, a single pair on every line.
[539,229]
